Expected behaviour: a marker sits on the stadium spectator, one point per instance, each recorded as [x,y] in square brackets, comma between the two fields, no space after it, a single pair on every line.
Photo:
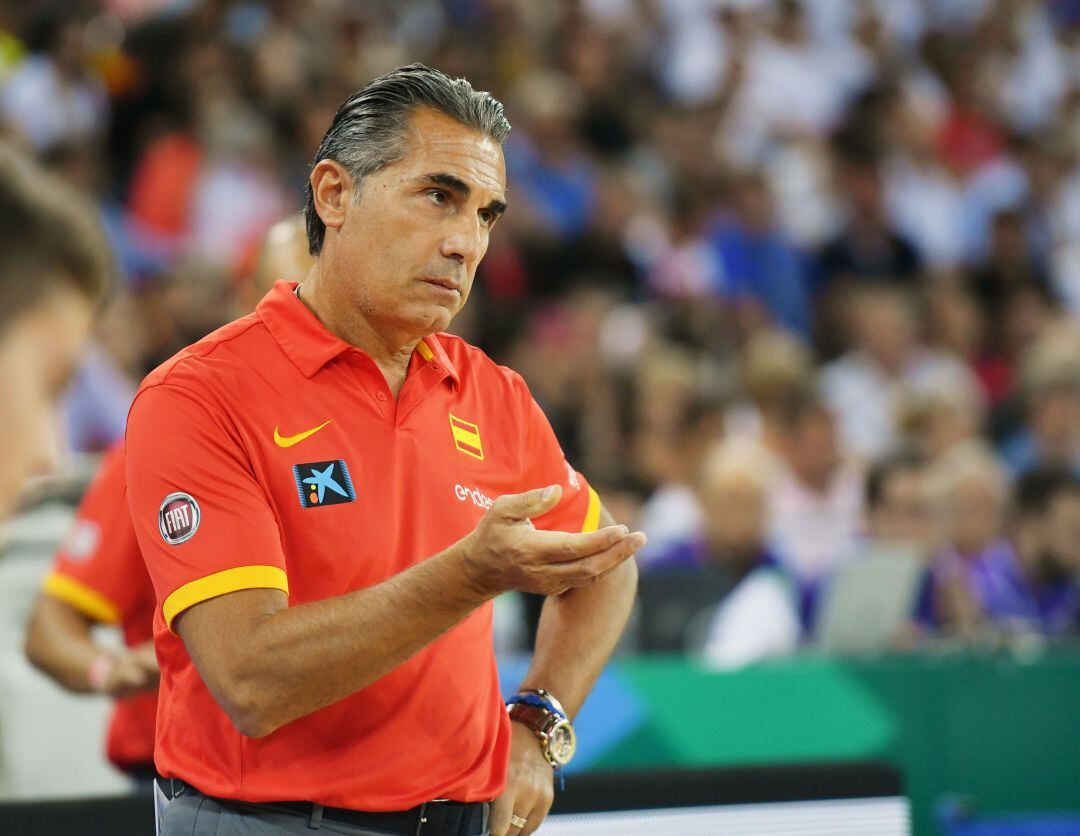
[1050,435]
[901,515]
[760,617]
[815,501]
[886,360]
[50,98]
[979,581]
[867,247]
[1046,533]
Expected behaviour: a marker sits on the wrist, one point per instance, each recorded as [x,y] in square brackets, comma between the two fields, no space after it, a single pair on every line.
[476,583]
[545,717]
[98,672]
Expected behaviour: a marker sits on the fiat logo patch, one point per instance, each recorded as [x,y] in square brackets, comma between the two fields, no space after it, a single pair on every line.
[178,517]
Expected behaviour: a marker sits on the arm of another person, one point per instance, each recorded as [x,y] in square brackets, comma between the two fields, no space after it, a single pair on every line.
[97,577]
[59,643]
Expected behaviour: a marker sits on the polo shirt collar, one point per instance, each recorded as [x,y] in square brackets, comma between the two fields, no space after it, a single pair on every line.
[310,346]
[431,350]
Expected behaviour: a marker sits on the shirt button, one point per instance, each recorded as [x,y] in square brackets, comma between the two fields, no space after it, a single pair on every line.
[381,396]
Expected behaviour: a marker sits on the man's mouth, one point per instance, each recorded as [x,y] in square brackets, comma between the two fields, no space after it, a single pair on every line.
[447,284]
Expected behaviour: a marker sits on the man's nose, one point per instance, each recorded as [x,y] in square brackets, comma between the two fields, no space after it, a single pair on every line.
[464,243]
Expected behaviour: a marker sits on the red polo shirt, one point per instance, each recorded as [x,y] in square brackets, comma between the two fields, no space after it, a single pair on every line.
[272,454]
[99,571]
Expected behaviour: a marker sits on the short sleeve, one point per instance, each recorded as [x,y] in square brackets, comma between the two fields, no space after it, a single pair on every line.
[203,521]
[543,464]
[98,569]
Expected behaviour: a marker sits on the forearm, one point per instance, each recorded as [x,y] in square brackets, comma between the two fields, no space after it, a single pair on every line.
[59,643]
[577,633]
[300,659]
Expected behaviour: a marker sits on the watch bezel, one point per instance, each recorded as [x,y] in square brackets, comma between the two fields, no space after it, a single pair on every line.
[545,725]
[561,725]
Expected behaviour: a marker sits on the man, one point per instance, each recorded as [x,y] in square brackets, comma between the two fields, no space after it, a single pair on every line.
[759,618]
[1046,535]
[329,493]
[54,267]
[900,516]
[815,501]
[899,507]
[99,577]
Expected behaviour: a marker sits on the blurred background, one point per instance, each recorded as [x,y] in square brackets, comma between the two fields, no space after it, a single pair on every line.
[796,283]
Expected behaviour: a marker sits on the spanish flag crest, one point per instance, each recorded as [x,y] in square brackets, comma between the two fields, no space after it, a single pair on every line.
[466,437]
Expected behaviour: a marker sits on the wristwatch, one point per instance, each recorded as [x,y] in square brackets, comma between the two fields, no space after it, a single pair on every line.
[544,714]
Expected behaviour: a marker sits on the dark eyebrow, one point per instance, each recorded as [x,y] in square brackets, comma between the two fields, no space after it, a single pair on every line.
[462,189]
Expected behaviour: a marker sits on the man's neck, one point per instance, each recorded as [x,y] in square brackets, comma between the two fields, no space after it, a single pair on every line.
[391,351]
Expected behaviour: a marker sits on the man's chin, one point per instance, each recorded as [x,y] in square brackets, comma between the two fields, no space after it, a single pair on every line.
[430,321]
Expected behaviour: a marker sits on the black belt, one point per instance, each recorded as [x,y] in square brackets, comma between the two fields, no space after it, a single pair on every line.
[441,816]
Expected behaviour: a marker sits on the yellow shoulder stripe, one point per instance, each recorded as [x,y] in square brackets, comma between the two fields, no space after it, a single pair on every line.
[88,601]
[222,583]
[592,514]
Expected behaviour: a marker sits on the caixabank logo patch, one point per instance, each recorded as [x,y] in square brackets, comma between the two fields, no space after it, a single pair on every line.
[324,483]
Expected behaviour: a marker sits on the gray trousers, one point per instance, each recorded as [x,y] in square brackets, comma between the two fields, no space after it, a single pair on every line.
[197,815]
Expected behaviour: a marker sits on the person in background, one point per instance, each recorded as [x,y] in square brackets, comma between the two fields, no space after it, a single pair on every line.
[945,413]
[900,514]
[760,617]
[1050,434]
[1046,535]
[815,502]
[979,582]
[886,361]
[98,577]
[767,279]
[899,507]
[54,268]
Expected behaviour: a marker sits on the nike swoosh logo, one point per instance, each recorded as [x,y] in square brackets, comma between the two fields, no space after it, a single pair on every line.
[289,440]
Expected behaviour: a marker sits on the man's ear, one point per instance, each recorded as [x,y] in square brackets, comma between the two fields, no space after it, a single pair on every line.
[332,192]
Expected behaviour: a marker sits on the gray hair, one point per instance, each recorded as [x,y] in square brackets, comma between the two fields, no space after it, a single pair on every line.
[368,131]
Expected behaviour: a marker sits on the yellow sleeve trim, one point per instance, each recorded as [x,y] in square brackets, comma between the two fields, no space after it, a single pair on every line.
[592,514]
[88,601]
[222,583]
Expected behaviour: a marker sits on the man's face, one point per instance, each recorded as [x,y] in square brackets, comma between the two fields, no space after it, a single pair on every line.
[735,514]
[38,352]
[905,512]
[1061,531]
[407,251]
[811,449]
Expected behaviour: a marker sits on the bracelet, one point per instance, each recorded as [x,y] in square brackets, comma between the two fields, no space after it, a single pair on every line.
[548,703]
[99,671]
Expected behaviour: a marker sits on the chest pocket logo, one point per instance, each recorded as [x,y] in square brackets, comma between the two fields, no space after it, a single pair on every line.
[323,483]
[466,437]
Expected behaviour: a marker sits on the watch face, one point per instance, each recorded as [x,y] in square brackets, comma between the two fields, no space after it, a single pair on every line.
[562,743]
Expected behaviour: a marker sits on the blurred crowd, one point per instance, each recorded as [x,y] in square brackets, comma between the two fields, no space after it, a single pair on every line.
[795,282]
